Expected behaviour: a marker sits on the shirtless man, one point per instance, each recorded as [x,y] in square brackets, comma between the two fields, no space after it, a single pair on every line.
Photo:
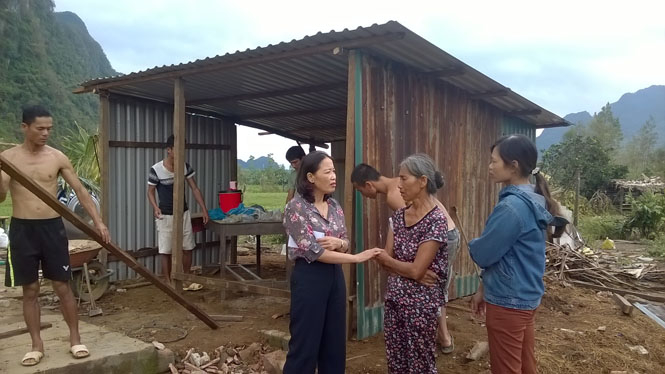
[369,182]
[37,234]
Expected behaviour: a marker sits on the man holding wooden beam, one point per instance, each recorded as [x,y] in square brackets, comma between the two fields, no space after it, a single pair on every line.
[37,234]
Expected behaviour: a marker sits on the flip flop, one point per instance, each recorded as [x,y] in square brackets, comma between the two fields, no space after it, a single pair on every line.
[449,349]
[79,351]
[32,358]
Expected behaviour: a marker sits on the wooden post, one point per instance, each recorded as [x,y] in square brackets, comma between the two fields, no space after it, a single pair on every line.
[104,163]
[51,201]
[349,164]
[179,178]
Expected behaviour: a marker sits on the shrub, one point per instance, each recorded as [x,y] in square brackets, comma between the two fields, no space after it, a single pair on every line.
[647,214]
[657,247]
[601,227]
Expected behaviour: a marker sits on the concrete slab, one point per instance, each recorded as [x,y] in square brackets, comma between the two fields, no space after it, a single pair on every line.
[110,352]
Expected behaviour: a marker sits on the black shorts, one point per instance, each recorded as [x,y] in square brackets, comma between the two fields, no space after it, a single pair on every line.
[33,242]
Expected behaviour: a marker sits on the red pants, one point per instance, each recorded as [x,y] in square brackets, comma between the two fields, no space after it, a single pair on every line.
[511,339]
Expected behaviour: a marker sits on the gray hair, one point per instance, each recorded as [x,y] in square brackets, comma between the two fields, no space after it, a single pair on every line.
[419,165]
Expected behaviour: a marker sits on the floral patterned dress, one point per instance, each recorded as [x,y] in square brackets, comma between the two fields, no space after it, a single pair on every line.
[411,308]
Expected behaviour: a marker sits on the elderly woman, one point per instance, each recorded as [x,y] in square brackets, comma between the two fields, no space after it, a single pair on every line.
[318,244]
[416,256]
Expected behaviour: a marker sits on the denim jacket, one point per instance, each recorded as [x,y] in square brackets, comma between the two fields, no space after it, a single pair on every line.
[511,249]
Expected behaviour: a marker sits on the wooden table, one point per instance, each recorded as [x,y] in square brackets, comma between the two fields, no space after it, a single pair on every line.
[227,230]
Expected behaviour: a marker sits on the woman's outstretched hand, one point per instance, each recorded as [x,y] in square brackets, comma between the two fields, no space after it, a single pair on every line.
[368,254]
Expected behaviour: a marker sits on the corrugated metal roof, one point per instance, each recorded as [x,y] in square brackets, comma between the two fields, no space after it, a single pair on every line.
[256,86]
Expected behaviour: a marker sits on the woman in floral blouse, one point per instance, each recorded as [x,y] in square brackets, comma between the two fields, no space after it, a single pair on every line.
[416,256]
[318,244]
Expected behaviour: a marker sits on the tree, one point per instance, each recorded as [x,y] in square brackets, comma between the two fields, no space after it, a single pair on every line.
[640,152]
[586,154]
[606,128]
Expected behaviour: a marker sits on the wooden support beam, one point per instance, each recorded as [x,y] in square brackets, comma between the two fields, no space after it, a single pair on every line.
[104,164]
[50,200]
[645,296]
[525,112]
[555,124]
[446,72]
[192,69]
[270,94]
[489,94]
[179,178]
[625,305]
[162,145]
[287,135]
[295,113]
[223,284]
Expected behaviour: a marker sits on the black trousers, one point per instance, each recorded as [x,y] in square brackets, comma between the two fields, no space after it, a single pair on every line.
[318,319]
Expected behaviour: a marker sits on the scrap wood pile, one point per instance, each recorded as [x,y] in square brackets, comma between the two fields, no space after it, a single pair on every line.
[597,268]
[252,359]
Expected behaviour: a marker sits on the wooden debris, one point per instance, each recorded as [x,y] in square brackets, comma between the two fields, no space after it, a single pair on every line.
[479,350]
[356,357]
[173,369]
[210,363]
[23,330]
[625,305]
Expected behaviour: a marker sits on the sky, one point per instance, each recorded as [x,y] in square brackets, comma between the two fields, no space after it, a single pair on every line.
[566,56]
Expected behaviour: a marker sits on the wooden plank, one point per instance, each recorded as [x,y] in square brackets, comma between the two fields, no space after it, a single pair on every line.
[645,296]
[179,177]
[223,284]
[162,145]
[104,164]
[625,305]
[488,94]
[270,94]
[349,164]
[245,62]
[67,214]
[22,330]
[294,113]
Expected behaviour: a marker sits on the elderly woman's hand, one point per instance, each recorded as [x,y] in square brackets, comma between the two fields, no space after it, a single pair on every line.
[367,254]
[429,279]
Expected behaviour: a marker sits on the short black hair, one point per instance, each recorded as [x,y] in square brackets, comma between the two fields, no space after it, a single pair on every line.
[295,153]
[31,113]
[364,173]
[170,141]
[310,164]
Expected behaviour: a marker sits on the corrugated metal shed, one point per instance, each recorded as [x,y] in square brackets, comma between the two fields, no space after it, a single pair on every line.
[298,88]
[131,221]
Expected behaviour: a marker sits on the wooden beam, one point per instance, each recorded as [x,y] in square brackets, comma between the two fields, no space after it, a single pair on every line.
[555,124]
[162,145]
[104,164]
[179,178]
[223,284]
[22,330]
[349,164]
[269,94]
[50,200]
[625,306]
[489,94]
[525,112]
[294,113]
[447,72]
[277,132]
[192,69]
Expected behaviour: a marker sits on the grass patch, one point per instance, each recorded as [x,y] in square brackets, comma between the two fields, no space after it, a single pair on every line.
[656,247]
[268,200]
[601,227]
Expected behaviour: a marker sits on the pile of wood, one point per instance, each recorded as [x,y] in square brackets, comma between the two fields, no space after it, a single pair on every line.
[583,265]
[252,359]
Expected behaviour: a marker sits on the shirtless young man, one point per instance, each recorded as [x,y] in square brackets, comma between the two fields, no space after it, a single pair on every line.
[369,182]
[37,234]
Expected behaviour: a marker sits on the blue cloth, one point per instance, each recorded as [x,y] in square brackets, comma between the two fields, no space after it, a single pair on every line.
[241,209]
[511,249]
[216,214]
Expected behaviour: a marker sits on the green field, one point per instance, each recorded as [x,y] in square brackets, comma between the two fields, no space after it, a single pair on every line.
[268,200]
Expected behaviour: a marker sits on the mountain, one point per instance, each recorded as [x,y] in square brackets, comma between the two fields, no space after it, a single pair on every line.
[43,56]
[632,110]
[257,163]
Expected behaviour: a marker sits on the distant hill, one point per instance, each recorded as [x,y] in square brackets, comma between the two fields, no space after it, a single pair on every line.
[257,163]
[43,56]
[632,110]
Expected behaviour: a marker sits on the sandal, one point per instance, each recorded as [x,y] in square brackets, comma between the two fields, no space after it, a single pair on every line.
[79,351]
[32,358]
[449,349]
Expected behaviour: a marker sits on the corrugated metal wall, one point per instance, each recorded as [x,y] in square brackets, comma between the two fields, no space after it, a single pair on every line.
[131,221]
[513,125]
[406,113]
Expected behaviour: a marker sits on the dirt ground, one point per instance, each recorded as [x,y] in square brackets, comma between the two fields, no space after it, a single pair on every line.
[567,334]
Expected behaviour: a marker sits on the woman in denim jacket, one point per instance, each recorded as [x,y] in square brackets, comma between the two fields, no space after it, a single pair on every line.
[511,252]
